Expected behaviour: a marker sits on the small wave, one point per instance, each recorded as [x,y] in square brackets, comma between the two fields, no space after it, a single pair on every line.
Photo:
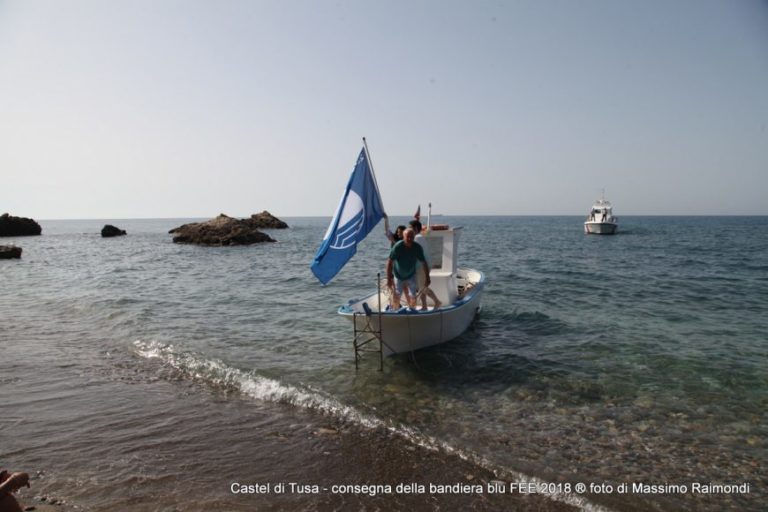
[249,383]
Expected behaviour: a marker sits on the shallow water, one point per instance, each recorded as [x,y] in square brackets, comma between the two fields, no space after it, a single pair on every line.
[136,372]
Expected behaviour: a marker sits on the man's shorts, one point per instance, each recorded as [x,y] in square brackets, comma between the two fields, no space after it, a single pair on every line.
[410,283]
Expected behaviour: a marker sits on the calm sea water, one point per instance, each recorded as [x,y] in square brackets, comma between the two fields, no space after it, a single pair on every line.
[136,373]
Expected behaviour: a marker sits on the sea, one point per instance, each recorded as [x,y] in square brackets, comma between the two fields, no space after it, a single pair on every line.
[625,372]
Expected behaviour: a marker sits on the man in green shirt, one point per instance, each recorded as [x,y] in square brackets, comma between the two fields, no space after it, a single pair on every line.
[401,266]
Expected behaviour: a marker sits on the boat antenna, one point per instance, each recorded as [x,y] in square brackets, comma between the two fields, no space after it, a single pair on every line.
[370,163]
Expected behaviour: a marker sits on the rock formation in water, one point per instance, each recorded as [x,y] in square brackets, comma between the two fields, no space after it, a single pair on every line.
[223,230]
[109,230]
[18,226]
[265,220]
[9,251]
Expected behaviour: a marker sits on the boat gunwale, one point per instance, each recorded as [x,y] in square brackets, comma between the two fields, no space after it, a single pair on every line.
[346,309]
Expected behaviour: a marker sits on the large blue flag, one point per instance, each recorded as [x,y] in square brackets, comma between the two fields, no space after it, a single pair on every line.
[358,213]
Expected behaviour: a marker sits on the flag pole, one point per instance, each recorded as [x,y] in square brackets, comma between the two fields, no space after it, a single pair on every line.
[373,173]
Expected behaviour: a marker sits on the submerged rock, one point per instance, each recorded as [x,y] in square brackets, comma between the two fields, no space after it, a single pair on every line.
[223,230]
[9,251]
[109,230]
[265,220]
[18,226]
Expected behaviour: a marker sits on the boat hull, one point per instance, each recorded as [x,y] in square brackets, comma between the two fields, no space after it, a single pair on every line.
[409,330]
[600,228]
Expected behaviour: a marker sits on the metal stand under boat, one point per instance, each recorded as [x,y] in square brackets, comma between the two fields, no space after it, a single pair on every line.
[368,333]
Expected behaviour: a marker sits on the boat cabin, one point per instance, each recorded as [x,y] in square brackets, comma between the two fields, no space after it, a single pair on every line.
[601,211]
[441,243]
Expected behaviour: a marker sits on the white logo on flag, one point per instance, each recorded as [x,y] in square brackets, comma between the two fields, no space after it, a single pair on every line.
[346,234]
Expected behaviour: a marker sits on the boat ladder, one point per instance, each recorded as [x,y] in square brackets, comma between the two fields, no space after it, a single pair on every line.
[366,333]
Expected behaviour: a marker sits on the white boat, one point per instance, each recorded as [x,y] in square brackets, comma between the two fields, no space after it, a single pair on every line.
[601,220]
[395,330]
[459,291]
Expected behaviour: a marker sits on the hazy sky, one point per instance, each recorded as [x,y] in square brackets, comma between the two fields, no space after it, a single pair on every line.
[190,108]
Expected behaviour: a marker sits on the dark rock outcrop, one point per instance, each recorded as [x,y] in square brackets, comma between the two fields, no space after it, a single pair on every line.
[109,230]
[9,251]
[222,230]
[18,226]
[265,220]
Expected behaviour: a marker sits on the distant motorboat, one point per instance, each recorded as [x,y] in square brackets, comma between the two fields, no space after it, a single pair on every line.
[601,220]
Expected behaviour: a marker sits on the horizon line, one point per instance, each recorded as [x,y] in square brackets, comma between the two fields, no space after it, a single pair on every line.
[423,216]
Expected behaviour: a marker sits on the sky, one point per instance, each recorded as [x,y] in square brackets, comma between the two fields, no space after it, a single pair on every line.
[165,108]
